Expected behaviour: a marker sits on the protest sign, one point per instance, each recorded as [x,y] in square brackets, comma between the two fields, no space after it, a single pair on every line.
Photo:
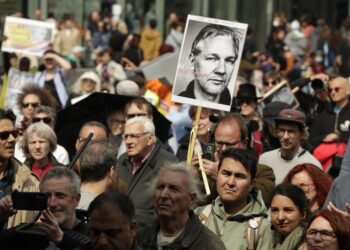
[27,36]
[208,64]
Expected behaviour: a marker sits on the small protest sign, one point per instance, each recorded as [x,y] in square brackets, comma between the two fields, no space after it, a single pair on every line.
[27,36]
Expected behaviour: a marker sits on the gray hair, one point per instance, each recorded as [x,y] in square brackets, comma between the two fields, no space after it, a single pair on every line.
[148,125]
[47,110]
[194,185]
[42,130]
[63,172]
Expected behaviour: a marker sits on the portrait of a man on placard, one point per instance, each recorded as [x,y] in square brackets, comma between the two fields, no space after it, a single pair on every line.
[213,55]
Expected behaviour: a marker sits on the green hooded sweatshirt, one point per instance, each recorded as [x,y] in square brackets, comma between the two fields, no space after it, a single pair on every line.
[232,229]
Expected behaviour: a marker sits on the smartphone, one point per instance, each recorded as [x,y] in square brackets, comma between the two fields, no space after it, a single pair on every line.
[34,201]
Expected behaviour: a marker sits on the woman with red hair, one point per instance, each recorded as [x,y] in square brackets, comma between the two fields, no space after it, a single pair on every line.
[314,181]
[328,230]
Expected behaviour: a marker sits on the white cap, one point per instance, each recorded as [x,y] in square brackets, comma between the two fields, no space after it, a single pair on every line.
[128,87]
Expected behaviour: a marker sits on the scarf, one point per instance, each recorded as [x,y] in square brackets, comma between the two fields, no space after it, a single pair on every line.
[291,241]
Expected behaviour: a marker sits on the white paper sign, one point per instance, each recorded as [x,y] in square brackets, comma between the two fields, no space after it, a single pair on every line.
[27,36]
[209,61]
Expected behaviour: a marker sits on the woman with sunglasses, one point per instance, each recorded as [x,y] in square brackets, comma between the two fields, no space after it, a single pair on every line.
[289,210]
[248,101]
[46,115]
[328,231]
[31,97]
[38,143]
[313,181]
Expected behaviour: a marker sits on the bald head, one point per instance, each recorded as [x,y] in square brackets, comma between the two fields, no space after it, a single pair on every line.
[231,132]
[339,91]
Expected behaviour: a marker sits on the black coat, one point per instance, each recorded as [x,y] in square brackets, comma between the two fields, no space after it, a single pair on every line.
[27,237]
[329,122]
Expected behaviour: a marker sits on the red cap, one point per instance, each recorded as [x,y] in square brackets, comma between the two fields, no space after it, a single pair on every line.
[291,115]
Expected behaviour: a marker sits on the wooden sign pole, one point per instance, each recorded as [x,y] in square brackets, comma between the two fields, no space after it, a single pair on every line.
[193,137]
[190,151]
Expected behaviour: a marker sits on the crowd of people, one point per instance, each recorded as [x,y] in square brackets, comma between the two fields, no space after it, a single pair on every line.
[277,164]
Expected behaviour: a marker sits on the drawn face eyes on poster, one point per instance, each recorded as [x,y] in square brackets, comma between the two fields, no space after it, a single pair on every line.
[208,63]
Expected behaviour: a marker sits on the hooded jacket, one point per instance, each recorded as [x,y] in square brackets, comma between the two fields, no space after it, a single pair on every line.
[150,43]
[232,229]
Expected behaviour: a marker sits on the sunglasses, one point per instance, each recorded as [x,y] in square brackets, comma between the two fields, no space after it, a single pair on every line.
[4,135]
[268,83]
[46,120]
[33,104]
[336,89]
[245,100]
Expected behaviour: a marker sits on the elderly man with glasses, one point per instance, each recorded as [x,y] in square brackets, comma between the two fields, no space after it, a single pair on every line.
[140,163]
[13,174]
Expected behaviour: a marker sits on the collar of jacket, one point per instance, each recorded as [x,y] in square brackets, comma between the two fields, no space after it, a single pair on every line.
[330,108]
[255,208]
[185,240]
[150,161]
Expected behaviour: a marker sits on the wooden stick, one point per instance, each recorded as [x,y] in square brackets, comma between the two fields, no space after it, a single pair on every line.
[193,137]
[273,90]
[204,175]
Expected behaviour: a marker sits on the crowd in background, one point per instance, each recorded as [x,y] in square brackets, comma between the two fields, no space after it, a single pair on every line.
[277,164]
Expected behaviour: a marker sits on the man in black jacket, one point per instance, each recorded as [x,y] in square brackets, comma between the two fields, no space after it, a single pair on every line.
[327,126]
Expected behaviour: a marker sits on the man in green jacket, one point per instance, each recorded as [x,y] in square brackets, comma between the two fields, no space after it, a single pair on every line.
[238,214]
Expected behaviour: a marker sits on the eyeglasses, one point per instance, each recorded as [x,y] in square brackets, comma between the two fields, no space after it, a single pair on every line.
[33,104]
[336,89]
[324,234]
[4,135]
[129,116]
[305,187]
[220,144]
[46,120]
[135,136]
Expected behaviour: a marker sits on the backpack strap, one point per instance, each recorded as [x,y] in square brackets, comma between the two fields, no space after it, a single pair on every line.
[204,215]
[252,232]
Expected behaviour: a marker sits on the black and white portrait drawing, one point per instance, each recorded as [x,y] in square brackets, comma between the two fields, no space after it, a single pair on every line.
[209,62]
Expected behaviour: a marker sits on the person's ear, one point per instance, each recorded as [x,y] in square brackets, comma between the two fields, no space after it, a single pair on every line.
[192,59]
[77,199]
[245,143]
[112,171]
[151,139]
[304,214]
[133,229]
[252,184]
[192,200]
